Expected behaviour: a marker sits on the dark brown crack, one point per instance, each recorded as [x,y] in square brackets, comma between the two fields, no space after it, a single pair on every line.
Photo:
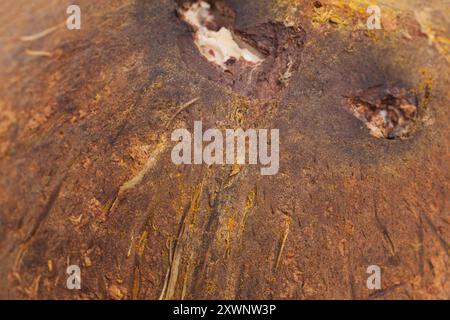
[279,46]
[388,112]
[45,211]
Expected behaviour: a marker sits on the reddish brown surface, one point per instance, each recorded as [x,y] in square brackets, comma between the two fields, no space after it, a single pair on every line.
[76,126]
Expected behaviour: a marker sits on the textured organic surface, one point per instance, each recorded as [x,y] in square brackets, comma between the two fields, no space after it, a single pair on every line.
[86,176]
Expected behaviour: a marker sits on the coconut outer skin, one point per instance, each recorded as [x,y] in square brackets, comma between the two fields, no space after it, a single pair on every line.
[77,126]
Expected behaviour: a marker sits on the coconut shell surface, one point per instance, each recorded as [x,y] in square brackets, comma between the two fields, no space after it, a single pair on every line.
[86,176]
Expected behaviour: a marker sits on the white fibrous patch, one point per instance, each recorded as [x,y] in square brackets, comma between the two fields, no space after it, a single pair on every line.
[219,47]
